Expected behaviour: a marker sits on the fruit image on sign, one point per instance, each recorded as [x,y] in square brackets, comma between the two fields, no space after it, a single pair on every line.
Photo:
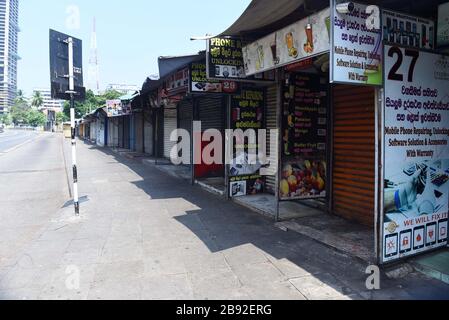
[303,178]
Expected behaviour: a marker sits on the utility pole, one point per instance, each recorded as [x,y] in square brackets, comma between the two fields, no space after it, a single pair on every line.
[73,125]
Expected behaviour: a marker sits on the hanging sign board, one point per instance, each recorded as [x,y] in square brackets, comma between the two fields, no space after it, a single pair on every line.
[115,108]
[200,84]
[247,112]
[443,25]
[416,153]
[301,40]
[356,51]
[224,61]
[406,30]
[304,141]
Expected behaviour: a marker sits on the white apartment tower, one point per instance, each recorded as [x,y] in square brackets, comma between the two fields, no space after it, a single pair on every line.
[9,29]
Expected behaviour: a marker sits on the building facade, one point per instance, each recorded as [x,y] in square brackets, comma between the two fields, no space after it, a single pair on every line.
[122,88]
[50,107]
[9,29]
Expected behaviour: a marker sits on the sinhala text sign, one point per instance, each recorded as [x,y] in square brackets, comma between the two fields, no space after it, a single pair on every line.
[416,187]
[356,50]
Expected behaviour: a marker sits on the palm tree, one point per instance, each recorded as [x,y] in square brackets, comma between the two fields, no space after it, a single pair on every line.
[37,100]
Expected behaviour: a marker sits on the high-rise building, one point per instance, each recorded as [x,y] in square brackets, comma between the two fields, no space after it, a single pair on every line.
[48,102]
[9,29]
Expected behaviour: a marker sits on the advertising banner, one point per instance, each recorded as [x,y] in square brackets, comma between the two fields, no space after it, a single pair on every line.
[356,51]
[301,40]
[304,130]
[406,30]
[200,84]
[224,61]
[247,112]
[115,108]
[416,152]
[443,25]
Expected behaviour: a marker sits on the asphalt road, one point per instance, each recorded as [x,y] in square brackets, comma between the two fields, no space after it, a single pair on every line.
[33,186]
[11,139]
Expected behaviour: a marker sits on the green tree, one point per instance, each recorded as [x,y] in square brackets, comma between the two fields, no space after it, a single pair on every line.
[19,111]
[61,118]
[35,118]
[5,119]
[37,100]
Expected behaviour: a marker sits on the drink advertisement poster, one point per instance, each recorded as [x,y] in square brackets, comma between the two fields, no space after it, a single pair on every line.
[356,51]
[200,84]
[408,30]
[247,112]
[416,153]
[304,39]
[304,135]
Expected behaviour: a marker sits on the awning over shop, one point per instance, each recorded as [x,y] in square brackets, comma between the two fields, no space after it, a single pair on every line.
[262,13]
[129,97]
[168,65]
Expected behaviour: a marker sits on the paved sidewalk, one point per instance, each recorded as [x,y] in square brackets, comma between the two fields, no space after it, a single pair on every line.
[145,235]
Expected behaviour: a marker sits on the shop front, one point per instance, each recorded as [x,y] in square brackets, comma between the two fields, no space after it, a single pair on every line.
[118,112]
[361,113]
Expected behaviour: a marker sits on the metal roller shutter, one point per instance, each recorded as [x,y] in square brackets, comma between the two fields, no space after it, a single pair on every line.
[126,133]
[148,133]
[211,113]
[138,127]
[170,125]
[271,115]
[354,153]
[185,115]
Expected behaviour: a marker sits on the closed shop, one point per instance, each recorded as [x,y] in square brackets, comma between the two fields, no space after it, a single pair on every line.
[113,128]
[126,132]
[211,113]
[138,131]
[185,116]
[148,133]
[170,125]
[101,130]
[354,153]
[271,124]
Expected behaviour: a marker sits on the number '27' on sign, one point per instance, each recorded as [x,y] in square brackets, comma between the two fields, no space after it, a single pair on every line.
[396,52]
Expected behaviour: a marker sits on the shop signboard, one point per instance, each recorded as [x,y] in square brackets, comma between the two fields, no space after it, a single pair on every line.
[304,39]
[200,84]
[356,50]
[247,112]
[443,25]
[177,82]
[224,61]
[115,108]
[406,30]
[416,153]
[304,141]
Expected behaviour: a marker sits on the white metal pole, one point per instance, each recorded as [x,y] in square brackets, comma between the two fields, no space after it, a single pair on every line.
[73,125]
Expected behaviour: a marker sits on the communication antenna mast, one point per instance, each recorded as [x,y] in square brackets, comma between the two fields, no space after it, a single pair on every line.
[94,69]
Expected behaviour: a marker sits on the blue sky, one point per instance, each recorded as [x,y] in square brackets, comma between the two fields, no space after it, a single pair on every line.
[131,34]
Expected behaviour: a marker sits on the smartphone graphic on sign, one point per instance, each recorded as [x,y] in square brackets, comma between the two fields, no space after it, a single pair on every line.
[419,238]
[442,231]
[431,234]
[391,245]
[405,241]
